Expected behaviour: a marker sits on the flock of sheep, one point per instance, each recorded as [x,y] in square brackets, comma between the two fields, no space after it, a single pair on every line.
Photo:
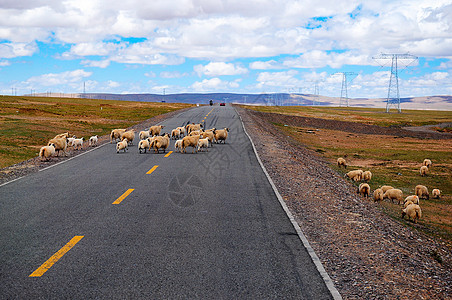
[411,204]
[191,135]
[61,142]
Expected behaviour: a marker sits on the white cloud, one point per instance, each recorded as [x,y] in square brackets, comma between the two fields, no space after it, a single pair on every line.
[96,63]
[265,65]
[174,74]
[53,79]
[213,85]
[213,69]
[11,50]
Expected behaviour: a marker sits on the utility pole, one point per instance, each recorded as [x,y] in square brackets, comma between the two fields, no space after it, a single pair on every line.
[393,98]
[344,88]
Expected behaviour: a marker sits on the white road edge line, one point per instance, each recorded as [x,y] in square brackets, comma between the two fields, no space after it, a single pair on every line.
[315,259]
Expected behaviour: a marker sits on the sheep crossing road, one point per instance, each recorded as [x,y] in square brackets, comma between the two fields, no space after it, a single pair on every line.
[129,225]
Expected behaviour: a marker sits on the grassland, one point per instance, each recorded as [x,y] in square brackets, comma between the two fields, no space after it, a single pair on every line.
[393,161]
[376,116]
[27,123]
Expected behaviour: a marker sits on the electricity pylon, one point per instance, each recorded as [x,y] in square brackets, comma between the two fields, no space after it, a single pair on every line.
[393,98]
[344,88]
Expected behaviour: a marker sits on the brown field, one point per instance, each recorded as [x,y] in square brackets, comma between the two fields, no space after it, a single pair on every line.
[27,123]
[393,160]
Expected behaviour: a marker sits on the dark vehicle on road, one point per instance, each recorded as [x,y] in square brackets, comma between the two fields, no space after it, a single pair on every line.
[222,104]
[210,102]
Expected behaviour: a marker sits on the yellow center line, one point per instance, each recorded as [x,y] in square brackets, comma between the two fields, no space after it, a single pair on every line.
[169,153]
[52,260]
[123,196]
[152,170]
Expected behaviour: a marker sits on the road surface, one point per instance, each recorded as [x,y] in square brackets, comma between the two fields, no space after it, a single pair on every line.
[205,225]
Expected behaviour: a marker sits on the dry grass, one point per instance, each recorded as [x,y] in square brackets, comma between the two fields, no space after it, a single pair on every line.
[27,123]
[393,161]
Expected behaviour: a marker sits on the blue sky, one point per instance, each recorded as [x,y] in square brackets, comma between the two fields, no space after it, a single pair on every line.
[265,46]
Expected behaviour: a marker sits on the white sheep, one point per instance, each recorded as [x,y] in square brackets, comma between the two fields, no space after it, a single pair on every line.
[355,175]
[178,145]
[413,211]
[116,134]
[129,135]
[144,145]
[341,162]
[367,176]
[46,152]
[155,130]
[60,145]
[203,143]
[394,194]
[378,195]
[175,133]
[160,142]
[423,170]
[436,193]
[70,141]
[384,188]
[413,199]
[182,130]
[364,189]
[78,143]
[190,141]
[427,162]
[93,140]
[122,145]
[421,191]
[144,134]
[210,135]
[221,135]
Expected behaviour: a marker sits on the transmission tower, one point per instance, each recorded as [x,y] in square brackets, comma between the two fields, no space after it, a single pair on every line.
[393,98]
[344,89]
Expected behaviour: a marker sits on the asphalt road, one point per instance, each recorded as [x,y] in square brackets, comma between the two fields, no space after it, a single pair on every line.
[205,225]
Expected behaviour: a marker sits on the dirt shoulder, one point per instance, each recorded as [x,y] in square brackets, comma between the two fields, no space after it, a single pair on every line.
[35,164]
[366,253]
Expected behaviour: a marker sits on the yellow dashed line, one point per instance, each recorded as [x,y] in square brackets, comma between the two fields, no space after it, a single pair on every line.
[52,260]
[152,170]
[123,196]
[169,153]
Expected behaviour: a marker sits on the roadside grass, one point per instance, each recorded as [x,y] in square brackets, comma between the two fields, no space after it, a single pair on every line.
[27,123]
[392,161]
[371,116]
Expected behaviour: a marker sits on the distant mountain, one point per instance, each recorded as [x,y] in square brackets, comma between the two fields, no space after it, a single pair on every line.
[281,99]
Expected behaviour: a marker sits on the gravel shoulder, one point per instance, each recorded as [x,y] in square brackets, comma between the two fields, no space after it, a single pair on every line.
[366,253]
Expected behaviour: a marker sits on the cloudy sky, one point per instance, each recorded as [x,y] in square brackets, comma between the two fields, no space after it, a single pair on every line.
[238,46]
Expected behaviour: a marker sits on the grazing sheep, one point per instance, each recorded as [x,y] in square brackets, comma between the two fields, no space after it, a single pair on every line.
[144,134]
[364,189]
[175,133]
[409,202]
[60,145]
[427,162]
[423,170]
[122,145]
[129,135]
[436,193]
[203,143]
[221,135]
[367,176]
[355,175]
[413,211]
[93,140]
[384,188]
[394,194]
[46,152]
[178,145]
[78,143]
[160,142]
[182,130]
[190,141]
[421,191]
[143,145]
[116,134]
[155,130]
[378,195]
[413,199]
[341,162]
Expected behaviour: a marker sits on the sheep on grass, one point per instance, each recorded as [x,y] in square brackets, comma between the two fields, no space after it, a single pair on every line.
[413,211]
[46,152]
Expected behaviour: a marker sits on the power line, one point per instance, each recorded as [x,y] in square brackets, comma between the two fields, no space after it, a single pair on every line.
[393,98]
[344,89]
